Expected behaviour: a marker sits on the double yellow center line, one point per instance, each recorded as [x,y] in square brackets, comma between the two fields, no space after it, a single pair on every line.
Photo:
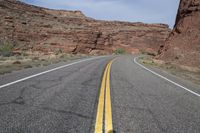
[104,111]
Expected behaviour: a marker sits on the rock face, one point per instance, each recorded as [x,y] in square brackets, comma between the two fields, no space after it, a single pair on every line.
[39,29]
[183,45]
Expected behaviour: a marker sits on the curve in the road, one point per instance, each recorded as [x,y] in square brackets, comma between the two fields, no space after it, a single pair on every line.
[135,60]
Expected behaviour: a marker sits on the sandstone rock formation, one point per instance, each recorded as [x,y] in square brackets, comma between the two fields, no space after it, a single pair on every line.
[183,45]
[39,29]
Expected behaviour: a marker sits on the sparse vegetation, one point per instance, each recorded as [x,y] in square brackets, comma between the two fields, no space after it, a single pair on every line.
[144,52]
[120,51]
[13,63]
[6,48]
[192,74]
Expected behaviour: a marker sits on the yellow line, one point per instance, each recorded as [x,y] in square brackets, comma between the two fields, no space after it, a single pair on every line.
[104,98]
[108,107]
[99,117]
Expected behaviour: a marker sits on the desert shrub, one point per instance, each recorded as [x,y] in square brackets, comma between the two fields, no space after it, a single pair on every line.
[6,49]
[17,62]
[148,53]
[24,53]
[28,66]
[35,58]
[59,51]
[120,51]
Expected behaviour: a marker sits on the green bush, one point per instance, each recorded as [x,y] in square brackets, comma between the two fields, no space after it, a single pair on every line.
[6,49]
[120,51]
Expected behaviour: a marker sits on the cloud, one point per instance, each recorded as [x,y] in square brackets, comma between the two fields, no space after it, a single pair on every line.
[148,11]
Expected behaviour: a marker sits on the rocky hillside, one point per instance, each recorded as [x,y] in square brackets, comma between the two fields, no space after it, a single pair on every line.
[183,45]
[31,28]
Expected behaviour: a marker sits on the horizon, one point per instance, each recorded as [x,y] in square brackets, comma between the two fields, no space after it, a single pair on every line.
[150,12]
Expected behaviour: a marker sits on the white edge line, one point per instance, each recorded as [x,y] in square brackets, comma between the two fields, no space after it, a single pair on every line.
[54,69]
[166,78]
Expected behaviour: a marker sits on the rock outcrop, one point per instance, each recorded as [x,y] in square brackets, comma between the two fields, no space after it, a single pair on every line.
[39,29]
[183,45]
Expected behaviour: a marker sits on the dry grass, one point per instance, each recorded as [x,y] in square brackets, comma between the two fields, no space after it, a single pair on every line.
[14,63]
[185,72]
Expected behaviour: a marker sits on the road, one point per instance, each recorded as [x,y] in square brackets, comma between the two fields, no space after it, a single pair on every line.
[67,100]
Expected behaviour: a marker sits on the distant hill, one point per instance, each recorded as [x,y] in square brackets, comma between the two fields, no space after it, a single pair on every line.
[32,28]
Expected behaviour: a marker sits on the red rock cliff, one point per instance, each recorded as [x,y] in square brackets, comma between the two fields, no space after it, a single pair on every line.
[183,44]
[40,29]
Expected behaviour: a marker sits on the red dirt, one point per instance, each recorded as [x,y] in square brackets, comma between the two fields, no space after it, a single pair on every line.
[183,45]
[33,28]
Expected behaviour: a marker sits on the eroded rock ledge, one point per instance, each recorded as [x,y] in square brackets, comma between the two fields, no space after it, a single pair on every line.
[183,45]
[39,29]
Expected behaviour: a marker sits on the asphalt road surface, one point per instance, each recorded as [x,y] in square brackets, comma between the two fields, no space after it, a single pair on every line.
[66,100]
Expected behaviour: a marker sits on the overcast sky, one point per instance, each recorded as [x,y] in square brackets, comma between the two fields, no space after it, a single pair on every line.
[148,11]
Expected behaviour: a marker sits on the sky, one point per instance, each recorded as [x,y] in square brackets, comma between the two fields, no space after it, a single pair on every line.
[147,11]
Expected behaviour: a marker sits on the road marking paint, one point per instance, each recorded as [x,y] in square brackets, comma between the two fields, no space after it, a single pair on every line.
[108,107]
[104,110]
[135,60]
[100,110]
[48,71]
